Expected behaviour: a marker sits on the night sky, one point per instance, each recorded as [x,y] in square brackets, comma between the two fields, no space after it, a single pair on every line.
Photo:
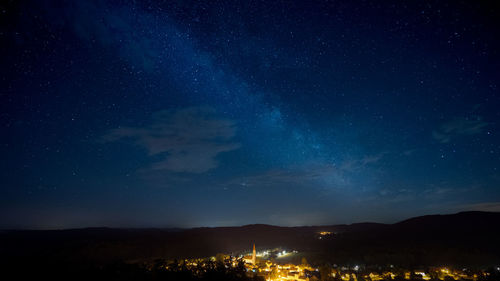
[216,113]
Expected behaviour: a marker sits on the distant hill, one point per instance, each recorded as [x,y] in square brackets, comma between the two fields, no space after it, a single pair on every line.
[468,238]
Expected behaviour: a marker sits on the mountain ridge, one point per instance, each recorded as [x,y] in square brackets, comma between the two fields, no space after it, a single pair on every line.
[462,238]
[259,224]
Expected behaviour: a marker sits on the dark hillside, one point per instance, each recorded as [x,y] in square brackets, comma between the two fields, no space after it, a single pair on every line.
[464,238]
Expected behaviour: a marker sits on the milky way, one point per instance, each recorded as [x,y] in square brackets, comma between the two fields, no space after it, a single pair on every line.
[122,113]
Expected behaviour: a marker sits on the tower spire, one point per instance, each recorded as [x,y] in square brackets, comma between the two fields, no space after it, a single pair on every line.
[254,254]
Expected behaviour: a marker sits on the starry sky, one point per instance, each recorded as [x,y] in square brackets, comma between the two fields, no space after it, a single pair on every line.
[217,113]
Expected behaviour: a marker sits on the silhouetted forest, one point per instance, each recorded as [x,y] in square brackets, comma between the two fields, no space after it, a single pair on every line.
[206,270]
[469,239]
[158,270]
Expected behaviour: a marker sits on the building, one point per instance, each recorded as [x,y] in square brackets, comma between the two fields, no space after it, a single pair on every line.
[251,259]
[254,254]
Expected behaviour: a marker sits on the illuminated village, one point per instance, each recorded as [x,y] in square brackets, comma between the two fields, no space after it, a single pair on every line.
[276,271]
[259,264]
[271,266]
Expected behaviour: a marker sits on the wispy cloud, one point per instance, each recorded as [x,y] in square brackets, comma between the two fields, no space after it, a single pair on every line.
[322,175]
[485,206]
[188,140]
[360,163]
[458,127]
[295,176]
[429,196]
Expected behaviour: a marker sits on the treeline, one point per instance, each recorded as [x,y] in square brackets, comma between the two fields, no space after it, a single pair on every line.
[205,270]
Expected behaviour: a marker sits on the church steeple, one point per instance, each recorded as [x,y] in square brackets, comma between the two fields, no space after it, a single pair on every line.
[254,254]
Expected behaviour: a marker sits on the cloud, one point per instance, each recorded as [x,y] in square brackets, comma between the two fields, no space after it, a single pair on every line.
[360,163]
[187,140]
[321,175]
[457,127]
[431,196]
[295,176]
[485,207]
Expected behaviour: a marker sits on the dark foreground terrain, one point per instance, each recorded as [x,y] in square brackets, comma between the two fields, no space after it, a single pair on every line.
[469,239]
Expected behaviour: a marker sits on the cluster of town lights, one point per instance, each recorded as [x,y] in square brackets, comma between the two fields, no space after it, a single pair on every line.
[274,271]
